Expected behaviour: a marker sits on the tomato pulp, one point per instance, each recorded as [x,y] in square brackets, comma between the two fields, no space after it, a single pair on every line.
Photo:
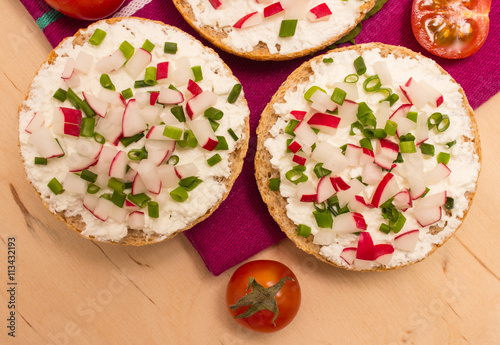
[86,9]
[451,29]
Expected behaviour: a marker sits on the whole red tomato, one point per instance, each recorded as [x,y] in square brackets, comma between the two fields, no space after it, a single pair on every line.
[263,295]
[451,29]
[86,9]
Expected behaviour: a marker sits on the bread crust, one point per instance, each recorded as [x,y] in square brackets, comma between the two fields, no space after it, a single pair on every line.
[276,203]
[260,52]
[138,237]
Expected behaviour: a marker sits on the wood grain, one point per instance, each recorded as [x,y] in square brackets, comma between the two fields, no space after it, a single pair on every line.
[74,291]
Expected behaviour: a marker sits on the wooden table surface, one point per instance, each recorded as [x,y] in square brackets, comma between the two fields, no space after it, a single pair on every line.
[74,291]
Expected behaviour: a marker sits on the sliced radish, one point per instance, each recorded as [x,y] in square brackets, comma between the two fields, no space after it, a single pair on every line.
[273,9]
[428,216]
[348,223]
[305,134]
[383,113]
[77,162]
[132,122]
[74,184]
[168,176]
[143,99]
[103,209]
[325,189]
[365,252]
[306,192]
[372,174]
[84,62]
[437,174]
[319,12]
[401,112]
[102,180]
[158,151]
[383,253]
[136,220]
[147,170]
[111,63]
[215,3]
[367,157]
[162,71]
[294,146]
[150,113]
[385,190]
[383,72]
[88,148]
[402,200]
[348,255]
[153,97]
[386,152]
[169,96]
[433,96]
[156,133]
[339,184]
[407,241]
[186,170]
[438,199]
[416,93]
[138,186]
[118,214]
[36,122]
[105,159]
[69,68]
[324,122]
[346,196]
[351,90]
[322,102]
[347,113]
[324,237]
[110,97]
[90,202]
[299,159]
[405,125]
[118,167]
[129,206]
[352,154]
[414,171]
[138,62]
[182,72]
[358,204]
[99,106]
[299,115]
[422,130]
[71,115]
[251,19]
[45,143]
[110,127]
[198,104]
[204,133]
[194,88]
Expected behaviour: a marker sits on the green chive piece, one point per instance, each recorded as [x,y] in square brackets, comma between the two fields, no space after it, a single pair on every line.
[179,194]
[190,183]
[390,127]
[222,144]
[170,48]
[60,146]
[412,115]
[433,120]
[288,27]
[214,124]
[116,185]
[140,83]
[127,49]
[366,143]
[140,200]
[40,161]
[213,113]
[172,87]
[323,218]
[73,98]
[407,147]
[150,76]
[137,154]
[173,160]
[398,224]
[450,144]
[359,65]
[427,149]
[443,157]
[93,189]
[55,186]
[99,138]
[320,171]
[303,230]
[296,174]
[97,37]
[153,209]
[127,93]
[291,126]
[232,134]
[118,198]
[88,175]
[133,139]
[234,94]
[274,184]
[106,196]
[327,60]
[379,133]
[351,78]
[450,202]
[356,125]
[407,137]
[106,82]
[178,112]
[189,140]
[368,133]
[363,109]
[60,95]
[399,158]
[214,160]
[443,124]
[372,83]
[338,96]
[89,112]
[87,127]
[311,91]
[128,185]
[148,46]
[385,228]
[198,74]
[172,132]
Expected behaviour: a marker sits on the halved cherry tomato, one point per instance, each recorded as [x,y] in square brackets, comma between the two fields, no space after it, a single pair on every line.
[451,29]
[264,284]
[86,9]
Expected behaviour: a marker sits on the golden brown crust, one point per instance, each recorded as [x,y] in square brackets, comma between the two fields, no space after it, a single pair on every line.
[264,170]
[260,52]
[137,237]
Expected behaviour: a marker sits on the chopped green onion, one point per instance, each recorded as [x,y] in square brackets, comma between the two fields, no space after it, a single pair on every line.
[88,175]
[390,127]
[427,149]
[343,148]
[140,83]
[372,83]
[392,98]
[133,139]
[89,112]
[198,74]
[60,95]
[73,98]
[179,194]
[150,76]
[356,125]
[328,60]
[351,78]
[172,132]
[174,159]
[359,65]
[232,134]
[234,94]
[338,96]
[366,143]
[323,218]
[450,202]
[443,157]
[189,140]
[450,144]
[311,91]
[274,184]
[128,185]
[296,174]
[397,224]
[412,115]
[363,109]
[303,230]
[170,48]
[291,126]
[106,82]
[137,154]
[106,196]
[379,133]
[368,133]
[172,87]
[40,161]
[118,198]
[55,186]
[93,189]
[288,142]
[127,93]
[140,200]
[97,37]
[116,185]
[190,183]
[320,171]
[127,49]
[214,124]
[222,144]
[399,158]
[385,228]
[407,137]
[214,160]
[153,209]
[443,124]
[58,143]
[288,27]
[147,45]
[434,119]
[407,147]
[87,127]
[178,112]
[213,113]
[99,138]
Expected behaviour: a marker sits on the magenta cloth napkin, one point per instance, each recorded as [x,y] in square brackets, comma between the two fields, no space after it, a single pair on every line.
[242,226]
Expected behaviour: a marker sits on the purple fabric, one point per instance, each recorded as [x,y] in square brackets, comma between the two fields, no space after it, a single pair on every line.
[242,226]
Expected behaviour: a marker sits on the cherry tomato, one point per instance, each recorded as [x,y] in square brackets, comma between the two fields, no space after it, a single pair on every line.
[258,282]
[451,29]
[86,9]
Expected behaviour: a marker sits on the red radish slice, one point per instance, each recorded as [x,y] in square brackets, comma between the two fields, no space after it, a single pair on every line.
[367,157]
[348,255]
[273,9]
[372,174]
[69,68]
[299,115]
[74,184]
[204,133]
[428,216]
[358,204]
[414,171]
[77,162]
[305,134]
[156,133]
[383,72]
[437,174]
[153,97]
[168,176]
[88,148]
[138,185]
[325,189]
[438,199]
[422,130]
[132,122]
[194,88]
[324,237]
[136,220]
[251,19]
[105,159]
[99,106]
[348,223]
[110,127]
[147,170]
[306,192]
[36,122]
[324,122]
[84,62]
[150,113]
[416,93]
[405,125]
[433,96]
[162,71]
[158,151]
[402,111]
[385,190]
[365,252]
[198,104]
[386,152]
[71,115]
[110,97]
[294,146]
[402,200]
[90,202]
[299,159]
[336,161]
[102,180]
[182,72]
[383,113]
[111,63]
[320,12]
[138,62]
[143,99]
[186,170]
[118,167]
[103,209]
[352,154]
[322,102]
[339,184]
[130,175]
[169,96]
[347,113]
[407,241]
[130,206]
[383,253]
[215,3]
[118,214]
[71,129]
[45,143]
[346,196]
